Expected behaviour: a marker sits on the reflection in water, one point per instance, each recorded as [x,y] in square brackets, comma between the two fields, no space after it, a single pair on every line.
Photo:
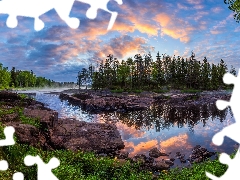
[171,129]
[166,116]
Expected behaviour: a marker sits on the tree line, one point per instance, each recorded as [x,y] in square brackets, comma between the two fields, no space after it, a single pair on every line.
[22,78]
[142,73]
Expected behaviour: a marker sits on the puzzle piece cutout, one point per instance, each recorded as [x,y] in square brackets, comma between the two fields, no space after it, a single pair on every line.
[101,4]
[44,170]
[231,131]
[8,141]
[3,165]
[18,176]
[36,8]
[232,172]
[8,132]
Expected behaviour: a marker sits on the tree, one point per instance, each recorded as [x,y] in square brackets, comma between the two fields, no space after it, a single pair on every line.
[5,77]
[234,5]
[205,74]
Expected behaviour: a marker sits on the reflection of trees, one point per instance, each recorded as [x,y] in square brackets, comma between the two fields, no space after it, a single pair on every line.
[165,116]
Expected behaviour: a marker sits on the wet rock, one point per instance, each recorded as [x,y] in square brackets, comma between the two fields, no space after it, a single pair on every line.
[149,160]
[156,153]
[169,162]
[199,154]
[182,160]
[97,137]
[159,166]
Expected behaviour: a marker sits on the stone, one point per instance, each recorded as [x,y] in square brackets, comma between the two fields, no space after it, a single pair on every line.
[159,166]
[156,153]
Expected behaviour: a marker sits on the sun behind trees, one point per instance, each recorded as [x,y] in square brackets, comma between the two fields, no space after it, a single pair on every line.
[142,73]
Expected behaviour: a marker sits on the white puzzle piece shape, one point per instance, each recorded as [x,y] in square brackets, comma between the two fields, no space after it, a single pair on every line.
[8,132]
[36,8]
[3,165]
[231,131]
[44,170]
[101,4]
[232,172]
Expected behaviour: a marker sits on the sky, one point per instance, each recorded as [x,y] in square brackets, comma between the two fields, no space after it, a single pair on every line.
[58,52]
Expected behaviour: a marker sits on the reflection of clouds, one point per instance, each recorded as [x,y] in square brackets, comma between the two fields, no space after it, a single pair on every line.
[176,142]
[140,148]
[129,132]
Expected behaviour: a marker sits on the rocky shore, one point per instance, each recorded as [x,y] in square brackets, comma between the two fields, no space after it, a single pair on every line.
[55,133]
[101,138]
[105,101]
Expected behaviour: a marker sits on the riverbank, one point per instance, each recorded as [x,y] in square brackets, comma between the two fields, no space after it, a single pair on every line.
[106,101]
[144,163]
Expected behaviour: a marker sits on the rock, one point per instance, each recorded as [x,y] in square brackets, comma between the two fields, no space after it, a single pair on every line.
[139,158]
[169,162]
[199,154]
[97,137]
[26,133]
[46,117]
[123,155]
[156,153]
[159,166]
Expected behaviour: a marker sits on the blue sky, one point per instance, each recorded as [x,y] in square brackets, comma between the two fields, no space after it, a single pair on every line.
[173,27]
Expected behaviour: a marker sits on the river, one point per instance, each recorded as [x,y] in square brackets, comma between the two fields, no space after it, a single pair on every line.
[166,128]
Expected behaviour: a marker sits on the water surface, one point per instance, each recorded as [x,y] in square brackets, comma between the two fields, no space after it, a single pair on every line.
[169,129]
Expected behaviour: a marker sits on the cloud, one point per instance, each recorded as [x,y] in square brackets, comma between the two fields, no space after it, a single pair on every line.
[198,6]
[221,26]
[140,147]
[174,27]
[181,6]
[194,1]
[216,9]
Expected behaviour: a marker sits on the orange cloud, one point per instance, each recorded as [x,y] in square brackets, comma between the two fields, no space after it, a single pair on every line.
[175,30]
[140,148]
[176,142]
[130,131]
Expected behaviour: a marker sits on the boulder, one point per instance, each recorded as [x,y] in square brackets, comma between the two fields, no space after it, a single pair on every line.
[155,153]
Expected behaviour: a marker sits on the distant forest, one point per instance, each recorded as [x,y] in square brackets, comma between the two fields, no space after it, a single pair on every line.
[24,79]
[142,73]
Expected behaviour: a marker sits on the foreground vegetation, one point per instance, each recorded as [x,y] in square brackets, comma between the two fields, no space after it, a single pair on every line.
[142,73]
[81,165]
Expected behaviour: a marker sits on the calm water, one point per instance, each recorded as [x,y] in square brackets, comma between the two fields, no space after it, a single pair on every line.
[167,128]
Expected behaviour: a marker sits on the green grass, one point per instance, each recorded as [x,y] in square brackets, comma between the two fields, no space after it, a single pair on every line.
[80,166]
[24,119]
[196,172]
